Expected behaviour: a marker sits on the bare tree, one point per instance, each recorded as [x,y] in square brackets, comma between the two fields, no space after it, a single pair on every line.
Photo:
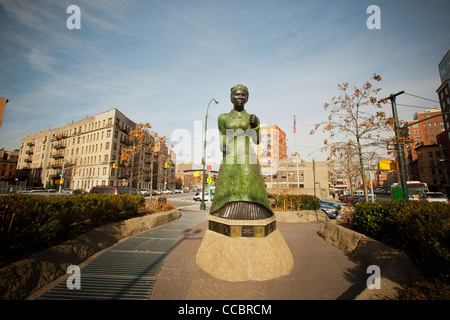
[347,162]
[356,118]
[144,141]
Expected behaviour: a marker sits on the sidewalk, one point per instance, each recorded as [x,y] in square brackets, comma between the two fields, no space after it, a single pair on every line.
[159,264]
[321,271]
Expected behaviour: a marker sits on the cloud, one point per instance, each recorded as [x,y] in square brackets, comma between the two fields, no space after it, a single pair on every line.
[41,61]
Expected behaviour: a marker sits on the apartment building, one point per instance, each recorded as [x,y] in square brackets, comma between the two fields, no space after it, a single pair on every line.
[272,147]
[443,139]
[425,133]
[429,169]
[86,153]
[8,164]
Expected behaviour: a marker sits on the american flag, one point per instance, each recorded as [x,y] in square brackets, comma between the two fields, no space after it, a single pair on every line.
[295,127]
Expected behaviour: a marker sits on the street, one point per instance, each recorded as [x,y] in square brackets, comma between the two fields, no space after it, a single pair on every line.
[185,201]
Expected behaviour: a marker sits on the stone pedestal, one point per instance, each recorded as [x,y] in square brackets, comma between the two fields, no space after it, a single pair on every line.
[242,250]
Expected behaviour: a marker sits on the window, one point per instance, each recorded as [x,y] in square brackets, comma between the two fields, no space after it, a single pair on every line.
[107,146]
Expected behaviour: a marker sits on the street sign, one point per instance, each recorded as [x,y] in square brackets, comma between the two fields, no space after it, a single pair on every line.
[208,180]
[208,167]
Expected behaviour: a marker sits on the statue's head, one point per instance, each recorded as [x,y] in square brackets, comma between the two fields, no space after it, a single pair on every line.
[239,95]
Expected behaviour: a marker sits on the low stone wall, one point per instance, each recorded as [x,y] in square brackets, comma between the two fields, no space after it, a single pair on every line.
[397,271]
[21,279]
[301,216]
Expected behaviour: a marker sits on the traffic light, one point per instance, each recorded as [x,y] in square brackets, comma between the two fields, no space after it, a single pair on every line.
[115,165]
[167,164]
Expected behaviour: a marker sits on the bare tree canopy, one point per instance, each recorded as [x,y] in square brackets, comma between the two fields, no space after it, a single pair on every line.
[356,121]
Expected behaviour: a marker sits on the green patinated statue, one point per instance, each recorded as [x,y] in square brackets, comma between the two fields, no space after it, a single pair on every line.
[240,191]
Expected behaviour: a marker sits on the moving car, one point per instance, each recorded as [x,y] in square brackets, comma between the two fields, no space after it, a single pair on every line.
[198,195]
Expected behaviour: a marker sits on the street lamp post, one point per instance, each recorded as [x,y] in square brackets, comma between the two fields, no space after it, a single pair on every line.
[202,204]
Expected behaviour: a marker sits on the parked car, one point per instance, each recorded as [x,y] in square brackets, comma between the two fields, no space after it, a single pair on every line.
[434,197]
[43,192]
[79,191]
[331,211]
[327,203]
[115,190]
[362,198]
[145,192]
[66,191]
[346,198]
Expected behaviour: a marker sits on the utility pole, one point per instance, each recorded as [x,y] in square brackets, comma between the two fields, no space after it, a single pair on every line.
[401,157]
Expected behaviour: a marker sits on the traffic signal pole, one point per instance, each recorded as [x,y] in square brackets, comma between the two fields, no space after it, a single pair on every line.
[401,157]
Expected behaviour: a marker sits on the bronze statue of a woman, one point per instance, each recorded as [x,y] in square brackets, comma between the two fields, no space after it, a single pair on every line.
[240,191]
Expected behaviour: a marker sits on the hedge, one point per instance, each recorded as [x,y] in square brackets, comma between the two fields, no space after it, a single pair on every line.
[31,222]
[422,229]
[292,202]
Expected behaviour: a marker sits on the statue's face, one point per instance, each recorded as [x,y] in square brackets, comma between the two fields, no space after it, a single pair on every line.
[239,98]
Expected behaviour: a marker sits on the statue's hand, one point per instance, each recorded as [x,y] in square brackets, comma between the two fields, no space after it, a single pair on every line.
[253,121]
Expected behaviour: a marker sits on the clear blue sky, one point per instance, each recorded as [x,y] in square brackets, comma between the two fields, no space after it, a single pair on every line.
[163,61]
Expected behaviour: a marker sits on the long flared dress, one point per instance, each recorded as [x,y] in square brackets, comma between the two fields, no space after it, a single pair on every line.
[240,191]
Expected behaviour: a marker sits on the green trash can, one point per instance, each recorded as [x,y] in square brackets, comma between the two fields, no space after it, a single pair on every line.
[397,193]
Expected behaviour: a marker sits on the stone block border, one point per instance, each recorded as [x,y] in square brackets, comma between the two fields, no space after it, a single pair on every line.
[397,271]
[301,216]
[21,279]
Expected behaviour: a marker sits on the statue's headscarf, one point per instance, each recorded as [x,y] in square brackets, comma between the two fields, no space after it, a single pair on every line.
[239,87]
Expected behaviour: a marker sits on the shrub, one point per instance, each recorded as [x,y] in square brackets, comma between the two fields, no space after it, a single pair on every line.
[289,202]
[31,222]
[420,228]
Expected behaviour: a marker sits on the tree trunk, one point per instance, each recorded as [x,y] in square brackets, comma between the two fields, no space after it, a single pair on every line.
[361,168]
